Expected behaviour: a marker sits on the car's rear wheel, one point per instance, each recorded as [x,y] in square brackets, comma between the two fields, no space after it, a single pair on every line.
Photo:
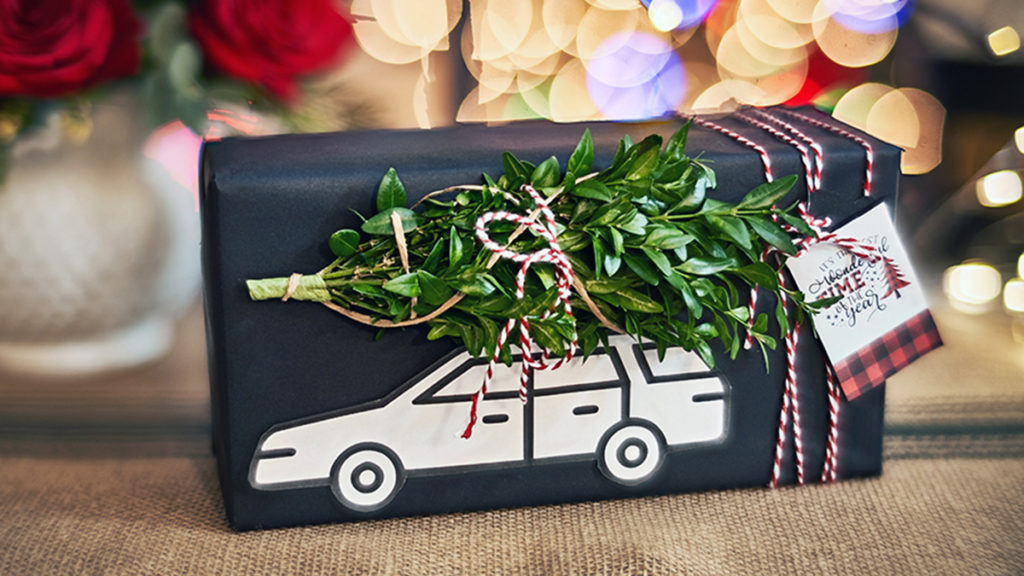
[367,477]
[631,453]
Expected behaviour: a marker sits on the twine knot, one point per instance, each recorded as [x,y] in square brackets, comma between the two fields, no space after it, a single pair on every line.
[544,228]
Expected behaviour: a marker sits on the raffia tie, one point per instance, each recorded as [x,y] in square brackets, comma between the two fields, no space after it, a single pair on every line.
[544,228]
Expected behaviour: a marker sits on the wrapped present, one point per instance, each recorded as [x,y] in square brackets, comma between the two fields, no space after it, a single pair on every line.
[321,418]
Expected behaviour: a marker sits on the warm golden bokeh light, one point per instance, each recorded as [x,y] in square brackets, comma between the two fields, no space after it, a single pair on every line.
[999,189]
[972,287]
[931,119]
[1013,295]
[1004,41]
[855,106]
[1020,266]
[665,15]
[771,28]
[796,11]
[1018,139]
[568,99]
[849,47]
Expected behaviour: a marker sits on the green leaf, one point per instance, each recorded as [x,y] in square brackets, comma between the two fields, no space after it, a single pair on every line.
[732,227]
[344,243]
[647,156]
[599,252]
[824,302]
[667,238]
[630,299]
[515,171]
[454,248]
[434,258]
[407,285]
[636,225]
[592,189]
[713,207]
[617,246]
[546,174]
[771,233]
[643,268]
[612,264]
[607,285]
[677,143]
[391,192]
[472,283]
[798,223]
[768,194]
[660,260]
[583,157]
[380,224]
[432,289]
[761,274]
[608,214]
[707,266]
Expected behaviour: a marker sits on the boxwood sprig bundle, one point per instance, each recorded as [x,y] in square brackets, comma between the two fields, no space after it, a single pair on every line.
[653,254]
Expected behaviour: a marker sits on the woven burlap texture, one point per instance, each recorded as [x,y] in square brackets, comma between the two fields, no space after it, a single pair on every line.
[164,516]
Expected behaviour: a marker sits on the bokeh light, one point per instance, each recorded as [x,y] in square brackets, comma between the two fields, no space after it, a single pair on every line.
[640,77]
[1003,41]
[999,189]
[1020,266]
[669,14]
[1013,295]
[1018,139]
[972,287]
[849,46]
[869,16]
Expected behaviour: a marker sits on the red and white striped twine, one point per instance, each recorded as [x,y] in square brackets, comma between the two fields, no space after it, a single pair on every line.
[869,151]
[563,280]
[766,160]
[813,170]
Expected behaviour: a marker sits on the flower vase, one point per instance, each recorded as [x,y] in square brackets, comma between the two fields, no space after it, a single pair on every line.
[98,260]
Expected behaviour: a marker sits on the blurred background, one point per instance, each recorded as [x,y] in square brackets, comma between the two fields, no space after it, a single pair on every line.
[104,105]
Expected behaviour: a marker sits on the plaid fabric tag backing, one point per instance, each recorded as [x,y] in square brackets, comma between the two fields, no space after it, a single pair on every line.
[871,365]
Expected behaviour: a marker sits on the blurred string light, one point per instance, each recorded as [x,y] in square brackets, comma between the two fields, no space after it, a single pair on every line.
[869,16]
[1020,266]
[906,117]
[1003,41]
[1018,139]
[1000,188]
[671,14]
[570,60]
[641,76]
[1013,295]
[972,287]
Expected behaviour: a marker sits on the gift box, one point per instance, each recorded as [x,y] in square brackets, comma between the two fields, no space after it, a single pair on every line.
[317,418]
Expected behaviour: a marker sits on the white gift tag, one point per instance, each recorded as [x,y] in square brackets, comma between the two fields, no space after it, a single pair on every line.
[882,324]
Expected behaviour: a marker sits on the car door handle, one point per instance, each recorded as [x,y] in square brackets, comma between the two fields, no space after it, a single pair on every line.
[584,410]
[495,418]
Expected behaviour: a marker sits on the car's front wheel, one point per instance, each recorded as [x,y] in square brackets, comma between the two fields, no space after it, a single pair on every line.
[367,477]
[631,452]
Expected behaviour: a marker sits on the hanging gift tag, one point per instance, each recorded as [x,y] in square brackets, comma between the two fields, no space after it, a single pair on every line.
[882,324]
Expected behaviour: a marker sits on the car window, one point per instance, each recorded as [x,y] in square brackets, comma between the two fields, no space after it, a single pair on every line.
[678,364]
[600,368]
[461,383]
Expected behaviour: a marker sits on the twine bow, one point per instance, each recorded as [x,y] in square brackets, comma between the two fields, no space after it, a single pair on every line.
[544,228]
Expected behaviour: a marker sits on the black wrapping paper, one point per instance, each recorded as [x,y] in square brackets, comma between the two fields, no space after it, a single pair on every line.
[268,206]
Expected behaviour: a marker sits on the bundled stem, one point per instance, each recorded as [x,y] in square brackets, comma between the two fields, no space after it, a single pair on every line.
[653,254]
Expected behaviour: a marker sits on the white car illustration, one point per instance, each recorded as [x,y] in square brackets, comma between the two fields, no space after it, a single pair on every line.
[621,406]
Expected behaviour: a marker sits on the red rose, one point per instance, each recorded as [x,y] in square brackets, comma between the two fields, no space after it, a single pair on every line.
[270,42]
[53,47]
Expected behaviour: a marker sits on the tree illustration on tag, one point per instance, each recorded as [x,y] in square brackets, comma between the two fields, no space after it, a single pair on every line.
[882,322]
